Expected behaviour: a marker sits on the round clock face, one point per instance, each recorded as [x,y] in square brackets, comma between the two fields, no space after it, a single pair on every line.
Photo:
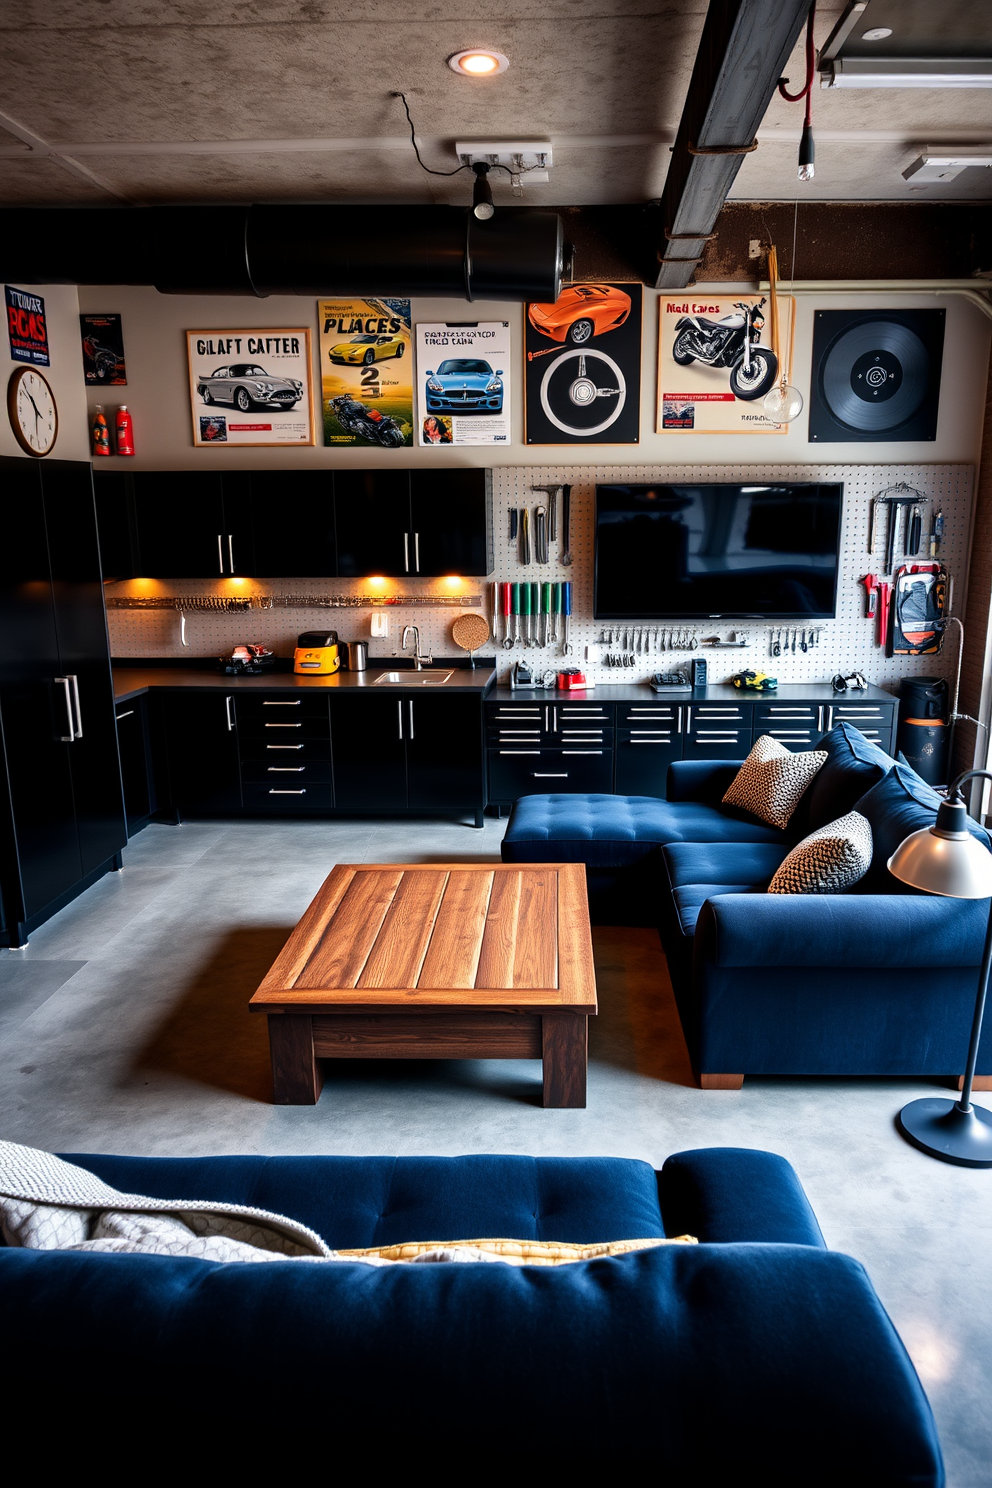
[31,409]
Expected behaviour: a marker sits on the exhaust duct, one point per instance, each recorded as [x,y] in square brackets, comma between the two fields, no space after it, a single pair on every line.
[289,250]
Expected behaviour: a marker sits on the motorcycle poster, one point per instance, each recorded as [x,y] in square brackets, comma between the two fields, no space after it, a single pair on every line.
[103,350]
[716,363]
[366,372]
[251,387]
[463,383]
[582,366]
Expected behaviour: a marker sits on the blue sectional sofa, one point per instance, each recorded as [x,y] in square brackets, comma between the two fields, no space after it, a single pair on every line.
[877,981]
[756,1351]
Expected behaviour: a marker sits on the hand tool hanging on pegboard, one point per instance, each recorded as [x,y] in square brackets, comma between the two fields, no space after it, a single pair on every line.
[871,595]
[904,498]
[884,594]
[525,536]
[919,606]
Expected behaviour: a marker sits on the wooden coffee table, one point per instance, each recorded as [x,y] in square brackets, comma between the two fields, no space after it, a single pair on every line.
[438,961]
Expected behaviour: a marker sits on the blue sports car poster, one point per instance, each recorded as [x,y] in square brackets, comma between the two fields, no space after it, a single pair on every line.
[463,383]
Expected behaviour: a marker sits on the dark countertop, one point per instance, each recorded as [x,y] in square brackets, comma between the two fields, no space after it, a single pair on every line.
[131,681]
[719,692]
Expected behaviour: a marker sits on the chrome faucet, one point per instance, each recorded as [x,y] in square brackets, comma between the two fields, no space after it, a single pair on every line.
[418,659]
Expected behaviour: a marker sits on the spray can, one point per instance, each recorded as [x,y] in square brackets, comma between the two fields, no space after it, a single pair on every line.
[101,434]
[124,431]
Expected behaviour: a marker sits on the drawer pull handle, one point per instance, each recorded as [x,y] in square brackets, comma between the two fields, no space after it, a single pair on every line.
[581,751]
[285,746]
[549,774]
[519,751]
[286,769]
[287,792]
[666,740]
[128,714]
[294,703]
[283,725]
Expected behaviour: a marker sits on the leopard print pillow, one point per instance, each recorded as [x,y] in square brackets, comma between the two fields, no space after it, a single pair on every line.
[771,780]
[829,860]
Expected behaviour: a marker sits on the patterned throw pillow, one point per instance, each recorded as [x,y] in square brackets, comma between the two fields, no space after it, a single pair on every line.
[829,860]
[771,780]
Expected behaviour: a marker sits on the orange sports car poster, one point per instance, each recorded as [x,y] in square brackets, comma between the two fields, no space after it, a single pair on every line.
[583,366]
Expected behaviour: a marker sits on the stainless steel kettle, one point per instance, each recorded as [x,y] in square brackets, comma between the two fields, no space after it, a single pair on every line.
[356,656]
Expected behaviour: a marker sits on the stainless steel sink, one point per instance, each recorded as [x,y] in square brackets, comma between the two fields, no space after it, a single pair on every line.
[413,679]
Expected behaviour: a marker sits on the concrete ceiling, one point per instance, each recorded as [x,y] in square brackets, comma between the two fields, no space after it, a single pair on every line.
[138,101]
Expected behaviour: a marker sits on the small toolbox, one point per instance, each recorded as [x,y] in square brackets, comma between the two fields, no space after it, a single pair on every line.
[668,683]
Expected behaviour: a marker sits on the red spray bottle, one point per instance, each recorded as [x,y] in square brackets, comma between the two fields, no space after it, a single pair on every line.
[124,431]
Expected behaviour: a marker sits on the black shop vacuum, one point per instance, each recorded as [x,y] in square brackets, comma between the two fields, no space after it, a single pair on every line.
[924,728]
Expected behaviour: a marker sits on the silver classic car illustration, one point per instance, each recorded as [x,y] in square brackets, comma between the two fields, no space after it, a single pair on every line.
[246,385]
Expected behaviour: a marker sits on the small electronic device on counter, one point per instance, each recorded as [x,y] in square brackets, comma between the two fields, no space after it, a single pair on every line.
[248,661]
[699,670]
[671,682]
[316,653]
[523,676]
[749,681]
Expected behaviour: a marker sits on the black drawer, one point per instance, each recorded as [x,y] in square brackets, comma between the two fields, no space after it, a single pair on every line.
[707,714]
[279,748]
[862,715]
[643,755]
[287,797]
[633,714]
[280,728]
[523,772]
[257,706]
[567,715]
[267,772]
[718,741]
[787,715]
[797,739]
[507,713]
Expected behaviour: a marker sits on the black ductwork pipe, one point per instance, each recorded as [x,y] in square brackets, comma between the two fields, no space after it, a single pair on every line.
[303,250]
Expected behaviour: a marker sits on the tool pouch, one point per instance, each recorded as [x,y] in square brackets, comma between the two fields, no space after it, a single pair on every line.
[919,602]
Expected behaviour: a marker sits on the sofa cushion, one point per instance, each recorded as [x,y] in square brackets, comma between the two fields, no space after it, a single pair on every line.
[853,765]
[690,898]
[828,861]
[899,804]
[613,831]
[751,863]
[772,780]
[363,1201]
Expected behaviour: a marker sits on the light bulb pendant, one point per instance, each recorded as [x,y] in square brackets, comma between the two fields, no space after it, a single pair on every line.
[783,403]
[807,154]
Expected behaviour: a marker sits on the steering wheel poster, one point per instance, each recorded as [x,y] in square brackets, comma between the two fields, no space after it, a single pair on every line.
[583,366]
[716,362]
[463,377]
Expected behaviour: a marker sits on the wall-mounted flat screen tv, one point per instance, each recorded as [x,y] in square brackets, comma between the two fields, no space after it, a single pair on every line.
[755,551]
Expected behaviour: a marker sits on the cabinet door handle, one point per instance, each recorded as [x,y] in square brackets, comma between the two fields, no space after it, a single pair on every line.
[230,716]
[78,726]
[67,738]
[410,706]
[285,769]
[230,551]
[406,552]
[416,552]
[830,716]
[287,792]
[284,746]
[220,554]
[295,703]
[128,714]
[399,717]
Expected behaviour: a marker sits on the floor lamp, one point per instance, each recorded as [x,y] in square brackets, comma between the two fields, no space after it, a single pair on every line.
[946,859]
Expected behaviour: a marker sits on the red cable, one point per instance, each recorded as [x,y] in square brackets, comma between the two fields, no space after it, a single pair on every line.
[806,90]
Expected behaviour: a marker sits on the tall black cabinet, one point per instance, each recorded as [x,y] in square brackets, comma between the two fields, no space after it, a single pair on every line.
[61,804]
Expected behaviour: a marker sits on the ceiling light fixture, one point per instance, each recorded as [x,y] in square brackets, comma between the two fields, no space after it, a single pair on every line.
[906,72]
[482,192]
[933,167]
[478,62]
[807,151]
[877,33]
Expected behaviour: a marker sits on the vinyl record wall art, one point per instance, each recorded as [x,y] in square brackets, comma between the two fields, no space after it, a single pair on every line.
[876,375]
[583,366]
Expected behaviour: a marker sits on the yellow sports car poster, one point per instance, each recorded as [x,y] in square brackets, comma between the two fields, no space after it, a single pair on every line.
[366,372]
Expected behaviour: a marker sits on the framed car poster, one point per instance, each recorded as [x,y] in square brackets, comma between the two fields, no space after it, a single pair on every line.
[366,372]
[250,387]
[583,366]
[103,350]
[706,383]
[463,383]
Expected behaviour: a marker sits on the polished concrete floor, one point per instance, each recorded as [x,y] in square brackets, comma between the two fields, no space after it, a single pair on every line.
[124,1029]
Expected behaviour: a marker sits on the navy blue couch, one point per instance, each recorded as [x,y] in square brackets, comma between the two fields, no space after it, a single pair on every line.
[758,1350]
[877,981]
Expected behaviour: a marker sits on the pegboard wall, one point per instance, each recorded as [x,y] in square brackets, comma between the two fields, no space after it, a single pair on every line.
[846,643]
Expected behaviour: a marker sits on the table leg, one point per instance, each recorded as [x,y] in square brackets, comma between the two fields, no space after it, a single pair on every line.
[296,1077]
[564,1047]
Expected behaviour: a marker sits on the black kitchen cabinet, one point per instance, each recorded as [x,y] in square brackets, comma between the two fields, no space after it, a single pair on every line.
[368,744]
[374,528]
[549,746]
[451,521]
[62,810]
[285,751]
[292,523]
[202,755]
[720,729]
[134,744]
[648,739]
[394,752]
[165,524]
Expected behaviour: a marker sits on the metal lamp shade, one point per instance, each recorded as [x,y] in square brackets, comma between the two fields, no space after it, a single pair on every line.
[957,866]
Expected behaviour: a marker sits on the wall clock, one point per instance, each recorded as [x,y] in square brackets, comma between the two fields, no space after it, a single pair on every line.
[33,414]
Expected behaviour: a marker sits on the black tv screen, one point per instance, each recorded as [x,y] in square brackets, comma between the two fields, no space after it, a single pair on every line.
[764,551]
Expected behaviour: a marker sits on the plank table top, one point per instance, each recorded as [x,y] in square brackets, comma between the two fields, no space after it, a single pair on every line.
[403,936]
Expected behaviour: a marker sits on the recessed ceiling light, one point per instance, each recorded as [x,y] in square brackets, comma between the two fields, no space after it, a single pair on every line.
[877,33]
[476,62]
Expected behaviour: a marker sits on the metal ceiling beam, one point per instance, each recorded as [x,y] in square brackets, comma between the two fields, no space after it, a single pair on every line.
[744,47]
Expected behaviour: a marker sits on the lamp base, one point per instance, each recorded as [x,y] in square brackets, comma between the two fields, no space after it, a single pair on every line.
[941,1129]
